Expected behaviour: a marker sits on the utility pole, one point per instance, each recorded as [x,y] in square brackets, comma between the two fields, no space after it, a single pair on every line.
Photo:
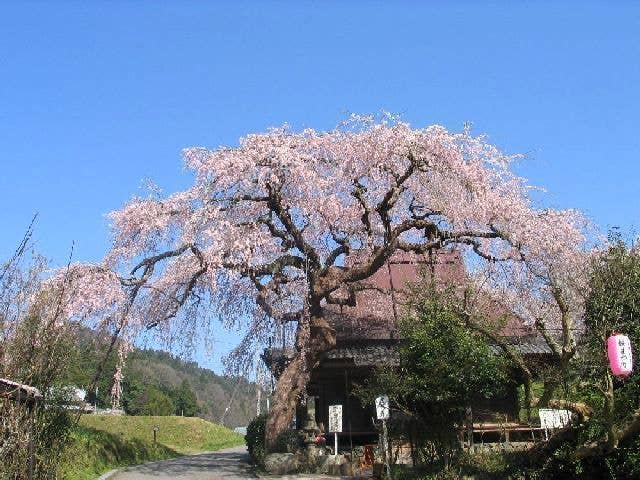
[259,382]
[233,396]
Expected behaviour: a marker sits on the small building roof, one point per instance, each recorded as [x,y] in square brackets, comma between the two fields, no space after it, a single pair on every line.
[19,392]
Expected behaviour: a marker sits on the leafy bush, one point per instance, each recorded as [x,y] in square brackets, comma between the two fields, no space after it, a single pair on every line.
[444,367]
[255,439]
[289,441]
[152,401]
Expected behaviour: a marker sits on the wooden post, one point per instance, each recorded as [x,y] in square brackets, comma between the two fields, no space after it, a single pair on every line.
[469,426]
[385,441]
[32,454]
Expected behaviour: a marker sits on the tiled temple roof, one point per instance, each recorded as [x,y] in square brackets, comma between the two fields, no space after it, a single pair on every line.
[375,354]
[376,311]
[388,355]
[367,332]
[367,355]
[526,346]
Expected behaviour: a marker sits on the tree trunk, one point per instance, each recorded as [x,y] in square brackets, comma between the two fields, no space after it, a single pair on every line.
[528,394]
[290,384]
[295,376]
[609,407]
[581,409]
[549,389]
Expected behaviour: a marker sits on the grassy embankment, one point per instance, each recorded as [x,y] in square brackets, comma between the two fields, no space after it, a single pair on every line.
[105,442]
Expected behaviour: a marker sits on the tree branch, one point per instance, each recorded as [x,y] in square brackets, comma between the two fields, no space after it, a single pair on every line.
[261,301]
[282,212]
[180,300]
[553,344]
[358,193]
[278,265]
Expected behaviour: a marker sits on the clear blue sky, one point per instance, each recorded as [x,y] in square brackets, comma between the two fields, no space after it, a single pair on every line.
[97,96]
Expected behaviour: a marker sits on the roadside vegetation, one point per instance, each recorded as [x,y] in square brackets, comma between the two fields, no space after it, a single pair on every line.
[182,435]
[102,443]
[92,452]
[34,342]
[40,436]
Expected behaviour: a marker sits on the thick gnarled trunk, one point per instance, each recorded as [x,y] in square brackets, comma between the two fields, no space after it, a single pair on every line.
[295,377]
[288,389]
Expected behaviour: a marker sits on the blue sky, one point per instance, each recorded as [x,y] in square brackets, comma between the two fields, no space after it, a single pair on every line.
[97,96]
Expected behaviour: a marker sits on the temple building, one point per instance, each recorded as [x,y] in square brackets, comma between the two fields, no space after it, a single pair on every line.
[367,338]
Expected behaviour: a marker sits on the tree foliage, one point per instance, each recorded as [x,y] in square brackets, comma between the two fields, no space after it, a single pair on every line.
[444,367]
[613,306]
[603,442]
[443,361]
[152,401]
[172,375]
[185,400]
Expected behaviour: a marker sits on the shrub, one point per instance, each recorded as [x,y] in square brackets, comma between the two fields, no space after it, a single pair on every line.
[289,441]
[37,349]
[255,439]
[444,367]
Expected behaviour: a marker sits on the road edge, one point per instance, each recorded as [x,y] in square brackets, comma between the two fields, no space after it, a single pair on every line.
[109,474]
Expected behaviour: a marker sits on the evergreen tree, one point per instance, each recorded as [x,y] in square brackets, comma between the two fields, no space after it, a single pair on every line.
[185,400]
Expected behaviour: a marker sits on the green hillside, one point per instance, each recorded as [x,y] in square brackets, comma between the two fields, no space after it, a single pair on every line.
[214,392]
[103,442]
[183,435]
[159,383]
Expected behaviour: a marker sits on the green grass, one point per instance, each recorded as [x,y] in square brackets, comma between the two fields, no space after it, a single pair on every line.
[103,442]
[182,434]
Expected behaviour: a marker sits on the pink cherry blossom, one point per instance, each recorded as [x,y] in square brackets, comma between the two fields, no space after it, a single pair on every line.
[269,231]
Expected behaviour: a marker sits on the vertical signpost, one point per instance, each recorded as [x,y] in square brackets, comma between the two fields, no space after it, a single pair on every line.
[382,412]
[335,424]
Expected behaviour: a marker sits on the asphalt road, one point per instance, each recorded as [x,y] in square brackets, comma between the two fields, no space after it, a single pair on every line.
[228,464]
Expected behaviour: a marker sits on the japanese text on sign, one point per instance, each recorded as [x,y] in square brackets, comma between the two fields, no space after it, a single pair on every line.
[335,418]
[551,418]
[382,407]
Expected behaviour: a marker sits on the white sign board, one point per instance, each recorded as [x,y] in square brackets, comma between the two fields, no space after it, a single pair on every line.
[335,418]
[382,407]
[551,418]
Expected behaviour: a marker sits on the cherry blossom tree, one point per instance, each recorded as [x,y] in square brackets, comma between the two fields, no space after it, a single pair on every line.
[282,225]
[543,294]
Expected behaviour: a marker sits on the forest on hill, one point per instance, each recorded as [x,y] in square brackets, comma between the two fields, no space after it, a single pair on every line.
[159,383]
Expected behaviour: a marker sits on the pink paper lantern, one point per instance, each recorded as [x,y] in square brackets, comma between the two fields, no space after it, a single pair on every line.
[619,353]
